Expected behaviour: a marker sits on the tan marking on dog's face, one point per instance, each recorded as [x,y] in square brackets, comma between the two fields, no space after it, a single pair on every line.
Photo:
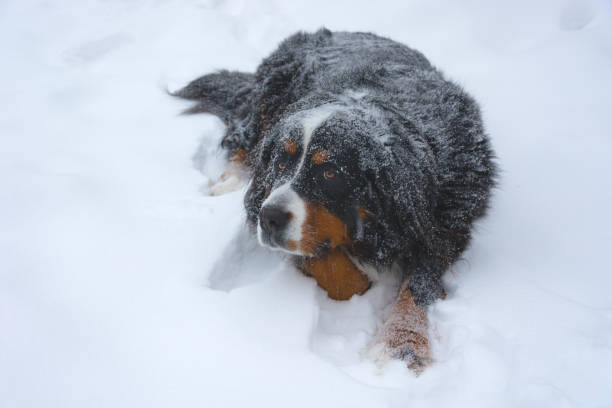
[337,274]
[320,156]
[291,146]
[321,226]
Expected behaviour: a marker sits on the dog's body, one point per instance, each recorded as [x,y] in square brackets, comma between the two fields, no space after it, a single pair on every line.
[362,157]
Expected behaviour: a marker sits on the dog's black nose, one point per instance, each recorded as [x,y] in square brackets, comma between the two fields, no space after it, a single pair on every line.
[274,219]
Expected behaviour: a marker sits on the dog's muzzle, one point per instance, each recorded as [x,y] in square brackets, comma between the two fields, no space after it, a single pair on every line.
[281,220]
[273,221]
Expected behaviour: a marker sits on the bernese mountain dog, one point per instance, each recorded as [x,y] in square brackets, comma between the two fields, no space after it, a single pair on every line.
[362,158]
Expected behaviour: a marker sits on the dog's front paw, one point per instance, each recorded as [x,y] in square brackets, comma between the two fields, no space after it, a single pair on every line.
[404,335]
[414,353]
[406,345]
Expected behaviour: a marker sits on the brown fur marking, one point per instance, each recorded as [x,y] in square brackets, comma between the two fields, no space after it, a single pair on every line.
[237,164]
[321,226]
[405,332]
[290,146]
[239,156]
[320,156]
[337,274]
[292,245]
[363,213]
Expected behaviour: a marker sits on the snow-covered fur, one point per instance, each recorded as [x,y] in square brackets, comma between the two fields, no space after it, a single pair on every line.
[411,166]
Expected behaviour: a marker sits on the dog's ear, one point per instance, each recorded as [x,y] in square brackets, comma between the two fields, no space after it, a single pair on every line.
[225,94]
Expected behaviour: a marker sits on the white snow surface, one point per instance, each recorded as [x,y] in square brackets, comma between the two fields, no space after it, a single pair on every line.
[122,285]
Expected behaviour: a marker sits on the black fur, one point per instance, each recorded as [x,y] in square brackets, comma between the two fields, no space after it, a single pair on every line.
[407,144]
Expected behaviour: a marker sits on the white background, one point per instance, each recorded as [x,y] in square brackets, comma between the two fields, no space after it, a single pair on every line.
[112,261]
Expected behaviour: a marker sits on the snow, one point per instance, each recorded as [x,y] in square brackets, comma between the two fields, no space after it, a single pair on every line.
[121,284]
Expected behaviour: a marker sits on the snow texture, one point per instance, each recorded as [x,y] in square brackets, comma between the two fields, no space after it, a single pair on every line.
[117,287]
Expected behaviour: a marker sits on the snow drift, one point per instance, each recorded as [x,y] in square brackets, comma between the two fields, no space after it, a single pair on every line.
[117,284]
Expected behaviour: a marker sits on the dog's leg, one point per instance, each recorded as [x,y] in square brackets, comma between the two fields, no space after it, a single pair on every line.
[404,335]
[337,274]
[234,177]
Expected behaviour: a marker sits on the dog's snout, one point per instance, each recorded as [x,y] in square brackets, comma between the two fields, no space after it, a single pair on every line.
[281,218]
[274,219]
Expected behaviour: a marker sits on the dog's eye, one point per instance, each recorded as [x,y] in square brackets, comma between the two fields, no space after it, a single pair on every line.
[329,174]
[281,166]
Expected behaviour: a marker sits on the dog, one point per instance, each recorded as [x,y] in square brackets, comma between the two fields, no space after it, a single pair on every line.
[361,158]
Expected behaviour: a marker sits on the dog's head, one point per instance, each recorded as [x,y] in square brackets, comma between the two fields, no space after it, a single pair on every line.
[335,175]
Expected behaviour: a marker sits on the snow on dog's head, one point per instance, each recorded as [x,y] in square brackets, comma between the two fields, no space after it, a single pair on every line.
[287,218]
[318,176]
